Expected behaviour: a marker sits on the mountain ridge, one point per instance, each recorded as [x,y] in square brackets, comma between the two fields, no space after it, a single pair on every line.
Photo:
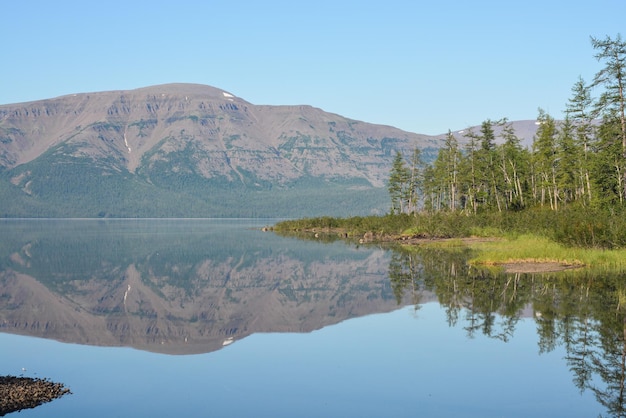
[198,151]
[70,112]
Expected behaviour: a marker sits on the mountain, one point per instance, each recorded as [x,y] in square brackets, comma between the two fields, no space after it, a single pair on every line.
[524,129]
[191,150]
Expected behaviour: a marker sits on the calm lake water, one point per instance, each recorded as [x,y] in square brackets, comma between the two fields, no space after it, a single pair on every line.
[196,318]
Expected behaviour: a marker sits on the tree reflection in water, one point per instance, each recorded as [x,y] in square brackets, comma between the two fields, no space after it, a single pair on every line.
[584,311]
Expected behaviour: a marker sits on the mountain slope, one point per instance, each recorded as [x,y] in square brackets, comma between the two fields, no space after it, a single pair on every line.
[191,150]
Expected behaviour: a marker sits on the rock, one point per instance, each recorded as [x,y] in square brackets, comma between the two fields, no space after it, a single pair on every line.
[17,393]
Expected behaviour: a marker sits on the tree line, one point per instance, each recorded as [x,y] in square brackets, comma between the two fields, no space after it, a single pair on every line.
[579,161]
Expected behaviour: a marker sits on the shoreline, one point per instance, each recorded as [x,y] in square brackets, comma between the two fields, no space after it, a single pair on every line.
[19,393]
[524,265]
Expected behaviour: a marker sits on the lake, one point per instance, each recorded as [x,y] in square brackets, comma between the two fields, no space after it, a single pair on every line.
[201,318]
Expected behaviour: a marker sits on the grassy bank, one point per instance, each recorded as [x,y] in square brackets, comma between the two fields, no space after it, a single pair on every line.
[533,248]
[572,227]
[582,236]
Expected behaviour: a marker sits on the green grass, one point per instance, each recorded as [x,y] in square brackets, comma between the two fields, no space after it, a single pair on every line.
[534,248]
[580,238]
[353,226]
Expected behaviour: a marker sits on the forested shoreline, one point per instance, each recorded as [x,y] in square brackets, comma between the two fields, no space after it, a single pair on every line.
[580,161]
[569,186]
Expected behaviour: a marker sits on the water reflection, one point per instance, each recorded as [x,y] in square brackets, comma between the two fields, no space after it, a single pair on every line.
[185,286]
[197,286]
[582,311]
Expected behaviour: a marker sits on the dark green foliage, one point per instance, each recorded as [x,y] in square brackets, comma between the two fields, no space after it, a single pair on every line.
[398,184]
[576,169]
[356,225]
[577,226]
[612,101]
[442,225]
[607,164]
[48,188]
[591,227]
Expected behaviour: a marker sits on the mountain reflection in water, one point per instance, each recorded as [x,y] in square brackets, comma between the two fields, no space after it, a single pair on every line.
[196,286]
[178,286]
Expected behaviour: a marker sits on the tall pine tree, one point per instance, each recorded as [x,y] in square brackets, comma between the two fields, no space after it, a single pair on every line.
[612,103]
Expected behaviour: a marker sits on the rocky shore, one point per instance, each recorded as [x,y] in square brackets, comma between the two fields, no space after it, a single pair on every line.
[17,393]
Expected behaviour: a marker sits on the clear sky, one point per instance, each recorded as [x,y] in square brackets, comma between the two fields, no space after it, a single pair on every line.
[422,66]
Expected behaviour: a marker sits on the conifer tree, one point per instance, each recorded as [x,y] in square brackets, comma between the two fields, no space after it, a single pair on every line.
[568,156]
[486,163]
[398,184]
[415,182]
[469,168]
[544,161]
[445,174]
[612,102]
[452,160]
[580,113]
[513,160]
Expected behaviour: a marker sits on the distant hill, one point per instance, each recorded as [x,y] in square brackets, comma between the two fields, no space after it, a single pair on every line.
[524,129]
[188,150]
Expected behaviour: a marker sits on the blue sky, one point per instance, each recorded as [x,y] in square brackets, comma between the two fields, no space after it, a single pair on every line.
[422,66]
